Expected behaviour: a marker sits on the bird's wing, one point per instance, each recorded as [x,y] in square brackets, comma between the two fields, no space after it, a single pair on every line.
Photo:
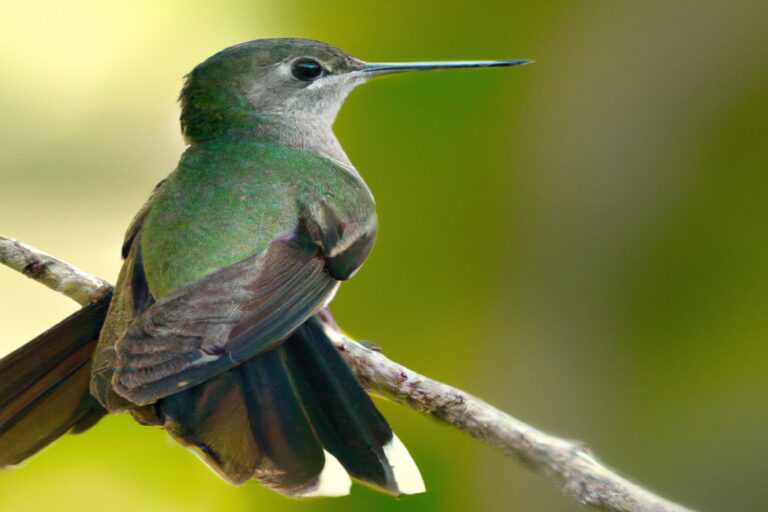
[131,297]
[232,314]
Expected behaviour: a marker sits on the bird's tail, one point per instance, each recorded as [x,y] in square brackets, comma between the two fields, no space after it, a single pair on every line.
[296,419]
[44,386]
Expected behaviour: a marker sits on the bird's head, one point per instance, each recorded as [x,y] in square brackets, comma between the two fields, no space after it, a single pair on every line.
[294,79]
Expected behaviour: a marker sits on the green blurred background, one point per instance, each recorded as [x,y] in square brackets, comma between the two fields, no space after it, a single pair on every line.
[582,242]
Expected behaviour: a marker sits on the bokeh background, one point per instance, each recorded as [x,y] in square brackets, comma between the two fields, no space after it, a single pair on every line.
[582,242]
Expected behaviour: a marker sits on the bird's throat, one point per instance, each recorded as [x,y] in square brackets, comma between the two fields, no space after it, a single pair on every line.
[310,133]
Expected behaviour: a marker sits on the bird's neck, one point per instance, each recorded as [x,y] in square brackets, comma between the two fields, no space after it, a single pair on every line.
[310,133]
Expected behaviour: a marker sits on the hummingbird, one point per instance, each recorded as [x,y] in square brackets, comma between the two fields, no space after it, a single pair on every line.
[218,330]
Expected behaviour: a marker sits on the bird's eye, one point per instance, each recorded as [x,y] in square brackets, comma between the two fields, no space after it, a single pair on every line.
[306,69]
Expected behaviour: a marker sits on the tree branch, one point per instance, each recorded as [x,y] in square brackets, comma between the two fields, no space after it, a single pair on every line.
[55,274]
[573,467]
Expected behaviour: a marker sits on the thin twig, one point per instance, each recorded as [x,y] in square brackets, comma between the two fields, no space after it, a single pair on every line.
[577,472]
[55,274]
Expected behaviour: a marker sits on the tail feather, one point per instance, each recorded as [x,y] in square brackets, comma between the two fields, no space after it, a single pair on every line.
[297,460]
[44,386]
[344,416]
[211,417]
[296,419]
[249,423]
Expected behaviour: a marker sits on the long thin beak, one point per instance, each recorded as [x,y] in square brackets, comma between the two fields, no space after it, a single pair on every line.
[385,68]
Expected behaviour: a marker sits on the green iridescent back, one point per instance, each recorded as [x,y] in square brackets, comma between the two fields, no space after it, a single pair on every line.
[229,198]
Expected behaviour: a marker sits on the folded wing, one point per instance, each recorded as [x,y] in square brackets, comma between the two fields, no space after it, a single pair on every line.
[223,319]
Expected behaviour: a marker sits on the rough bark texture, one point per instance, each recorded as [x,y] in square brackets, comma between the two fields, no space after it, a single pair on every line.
[572,466]
[55,274]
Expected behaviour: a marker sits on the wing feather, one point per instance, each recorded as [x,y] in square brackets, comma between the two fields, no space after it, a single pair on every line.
[225,318]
